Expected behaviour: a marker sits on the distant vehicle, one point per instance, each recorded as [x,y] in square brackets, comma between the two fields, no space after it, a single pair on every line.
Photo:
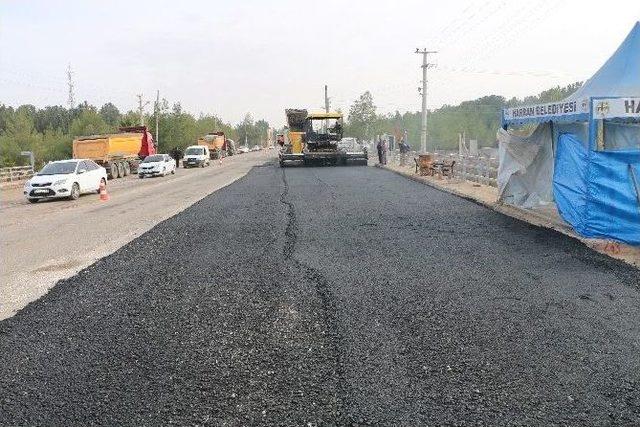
[196,155]
[218,143]
[256,148]
[120,153]
[157,165]
[65,178]
[243,149]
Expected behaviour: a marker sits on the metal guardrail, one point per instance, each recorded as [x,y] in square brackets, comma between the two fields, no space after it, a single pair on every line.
[16,173]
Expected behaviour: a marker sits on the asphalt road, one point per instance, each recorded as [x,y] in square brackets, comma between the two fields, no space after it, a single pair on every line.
[332,296]
[51,240]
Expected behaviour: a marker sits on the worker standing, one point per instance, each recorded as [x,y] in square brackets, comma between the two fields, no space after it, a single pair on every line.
[404,149]
[379,148]
[385,149]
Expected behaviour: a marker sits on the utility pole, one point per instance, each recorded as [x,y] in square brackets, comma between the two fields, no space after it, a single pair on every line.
[70,100]
[157,111]
[141,106]
[425,64]
[326,99]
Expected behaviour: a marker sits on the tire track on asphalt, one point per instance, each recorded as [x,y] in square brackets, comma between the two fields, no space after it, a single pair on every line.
[328,304]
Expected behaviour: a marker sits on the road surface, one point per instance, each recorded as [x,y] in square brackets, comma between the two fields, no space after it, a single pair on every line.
[332,296]
[48,241]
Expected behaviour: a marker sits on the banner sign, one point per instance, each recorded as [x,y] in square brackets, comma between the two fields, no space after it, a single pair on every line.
[542,111]
[616,107]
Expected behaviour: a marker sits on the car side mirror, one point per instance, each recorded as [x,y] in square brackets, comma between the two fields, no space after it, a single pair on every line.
[81,171]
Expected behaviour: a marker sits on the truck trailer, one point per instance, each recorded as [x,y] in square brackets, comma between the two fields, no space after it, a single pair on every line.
[218,143]
[119,153]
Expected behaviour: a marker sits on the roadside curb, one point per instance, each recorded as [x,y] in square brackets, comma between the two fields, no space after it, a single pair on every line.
[611,249]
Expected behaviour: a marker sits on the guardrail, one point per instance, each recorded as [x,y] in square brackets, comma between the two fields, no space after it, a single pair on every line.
[16,173]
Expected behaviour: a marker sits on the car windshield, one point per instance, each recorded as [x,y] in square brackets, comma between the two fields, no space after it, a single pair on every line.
[156,158]
[58,168]
[193,151]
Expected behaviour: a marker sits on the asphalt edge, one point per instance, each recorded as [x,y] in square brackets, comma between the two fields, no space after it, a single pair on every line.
[520,214]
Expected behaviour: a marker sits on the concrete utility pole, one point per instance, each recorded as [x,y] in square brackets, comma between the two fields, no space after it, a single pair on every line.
[425,64]
[141,106]
[326,99]
[157,111]
[70,100]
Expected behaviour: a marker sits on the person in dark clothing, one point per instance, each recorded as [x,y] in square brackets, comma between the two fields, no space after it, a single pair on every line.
[404,149]
[379,148]
[176,153]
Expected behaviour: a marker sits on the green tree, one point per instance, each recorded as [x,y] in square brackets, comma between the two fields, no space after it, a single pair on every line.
[110,114]
[19,135]
[362,117]
[89,122]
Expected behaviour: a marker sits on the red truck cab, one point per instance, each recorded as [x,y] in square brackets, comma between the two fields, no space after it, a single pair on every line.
[148,146]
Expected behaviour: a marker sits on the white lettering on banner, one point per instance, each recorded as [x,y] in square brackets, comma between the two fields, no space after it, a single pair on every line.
[542,110]
[616,107]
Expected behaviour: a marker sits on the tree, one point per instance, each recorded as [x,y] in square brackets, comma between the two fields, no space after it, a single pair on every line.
[89,122]
[110,114]
[362,117]
[19,135]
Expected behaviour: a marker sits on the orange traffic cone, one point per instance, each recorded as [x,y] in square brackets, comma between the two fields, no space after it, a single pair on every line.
[104,196]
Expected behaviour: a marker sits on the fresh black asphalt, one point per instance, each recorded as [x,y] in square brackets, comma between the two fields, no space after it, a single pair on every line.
[331,296]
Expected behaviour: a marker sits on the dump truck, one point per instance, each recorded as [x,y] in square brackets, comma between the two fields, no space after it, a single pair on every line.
[218,143]
[119,153]
[313,138]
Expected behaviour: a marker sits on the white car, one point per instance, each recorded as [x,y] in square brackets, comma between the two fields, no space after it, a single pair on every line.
[256,148]
[156,165]
[196,155]
[65,178]
[243,149]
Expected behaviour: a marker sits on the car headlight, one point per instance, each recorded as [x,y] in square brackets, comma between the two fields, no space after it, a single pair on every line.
[60,181]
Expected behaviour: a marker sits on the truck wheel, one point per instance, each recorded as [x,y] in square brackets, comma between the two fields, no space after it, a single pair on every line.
[75,191]
[121,169]
[127,168]
[113,171]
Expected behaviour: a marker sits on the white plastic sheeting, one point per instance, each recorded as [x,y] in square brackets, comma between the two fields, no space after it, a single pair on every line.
[525,174]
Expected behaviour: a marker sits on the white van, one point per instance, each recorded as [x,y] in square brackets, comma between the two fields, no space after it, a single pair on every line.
[196,155]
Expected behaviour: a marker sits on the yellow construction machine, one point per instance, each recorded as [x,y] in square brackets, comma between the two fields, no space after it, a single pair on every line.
[314,138]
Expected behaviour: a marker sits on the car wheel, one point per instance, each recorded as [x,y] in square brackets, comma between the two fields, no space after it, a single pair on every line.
[141,176]
[75,191]
[32,200]
[173,171]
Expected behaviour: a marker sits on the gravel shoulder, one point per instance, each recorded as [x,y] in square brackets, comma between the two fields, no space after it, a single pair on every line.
[331,296]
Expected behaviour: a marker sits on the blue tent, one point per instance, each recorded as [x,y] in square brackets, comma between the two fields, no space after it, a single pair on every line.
[620,75]
[595,135]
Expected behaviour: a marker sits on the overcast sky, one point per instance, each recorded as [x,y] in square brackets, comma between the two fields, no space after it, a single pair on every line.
[233,57]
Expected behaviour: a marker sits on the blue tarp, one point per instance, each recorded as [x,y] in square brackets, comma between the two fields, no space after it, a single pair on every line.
[597,191]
